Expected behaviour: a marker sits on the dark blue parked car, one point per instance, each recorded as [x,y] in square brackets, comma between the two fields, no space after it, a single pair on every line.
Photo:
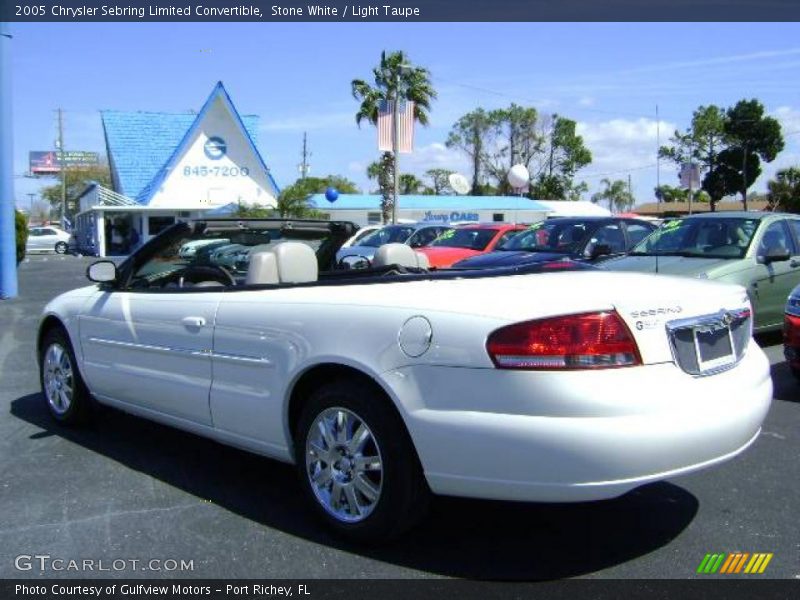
[587,239]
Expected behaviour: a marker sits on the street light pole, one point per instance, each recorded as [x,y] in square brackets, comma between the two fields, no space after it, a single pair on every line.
[8,213]
[396,145]
[396,139]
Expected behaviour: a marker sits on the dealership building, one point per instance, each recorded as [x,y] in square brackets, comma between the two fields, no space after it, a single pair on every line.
[365,209]
[166,167]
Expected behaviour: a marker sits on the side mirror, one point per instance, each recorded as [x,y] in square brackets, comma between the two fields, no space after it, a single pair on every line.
[102,271]
[775,254]
[600,250]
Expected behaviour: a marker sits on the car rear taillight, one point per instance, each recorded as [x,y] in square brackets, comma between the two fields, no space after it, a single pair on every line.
[585,341]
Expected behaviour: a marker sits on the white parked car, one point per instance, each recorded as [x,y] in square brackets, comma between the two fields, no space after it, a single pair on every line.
[47,239]
[555,383]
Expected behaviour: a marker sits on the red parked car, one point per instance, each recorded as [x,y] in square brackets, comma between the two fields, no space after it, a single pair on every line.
[791,332]
[467,241]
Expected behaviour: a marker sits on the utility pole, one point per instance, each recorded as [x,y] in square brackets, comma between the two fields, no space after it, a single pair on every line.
[62,168]
[658,158]
[8,213]
[744,175]
[31,196]
[630,190]
[304,167]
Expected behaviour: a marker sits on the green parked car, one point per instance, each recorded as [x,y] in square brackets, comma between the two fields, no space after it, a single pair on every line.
[760,251]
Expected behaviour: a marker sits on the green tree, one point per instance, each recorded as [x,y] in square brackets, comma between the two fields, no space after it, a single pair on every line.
[563,154]
[729,146]
[293,200]
[77,179]
[513,138]
[409,184]
[253,211]
[752,137]
[668,193]
[616,193]
[469,134]
[394,78]
[21,224]
[440,183]
[701,143]
[784,190]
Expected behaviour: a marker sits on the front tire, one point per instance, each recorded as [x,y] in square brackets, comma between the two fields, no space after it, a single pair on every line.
[64,392]
[356,463]
[61,247]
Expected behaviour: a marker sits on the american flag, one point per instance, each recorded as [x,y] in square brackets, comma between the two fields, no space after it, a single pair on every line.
[405,142]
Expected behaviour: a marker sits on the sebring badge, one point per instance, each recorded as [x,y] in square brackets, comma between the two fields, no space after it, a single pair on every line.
[657,312]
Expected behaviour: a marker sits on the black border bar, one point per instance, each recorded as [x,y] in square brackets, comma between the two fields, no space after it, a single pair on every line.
[333,589]
[399,10]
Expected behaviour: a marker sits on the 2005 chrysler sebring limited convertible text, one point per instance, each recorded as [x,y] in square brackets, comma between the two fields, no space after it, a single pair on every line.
[554,382]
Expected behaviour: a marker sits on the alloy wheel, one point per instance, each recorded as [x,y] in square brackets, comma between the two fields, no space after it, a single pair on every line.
[344,465]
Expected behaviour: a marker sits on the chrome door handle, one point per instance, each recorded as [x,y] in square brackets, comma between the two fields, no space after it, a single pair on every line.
[193,321]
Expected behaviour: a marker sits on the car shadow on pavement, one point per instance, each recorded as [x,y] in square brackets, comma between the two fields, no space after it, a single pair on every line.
[460,538]
[785,386]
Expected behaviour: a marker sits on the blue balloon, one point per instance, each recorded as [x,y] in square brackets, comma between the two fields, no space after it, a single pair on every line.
[331,194]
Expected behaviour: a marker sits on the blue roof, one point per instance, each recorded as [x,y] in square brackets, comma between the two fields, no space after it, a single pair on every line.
[141,145]
[426,202]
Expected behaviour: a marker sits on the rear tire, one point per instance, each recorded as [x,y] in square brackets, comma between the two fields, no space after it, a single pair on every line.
[65,394]
[356,463]
[61,247]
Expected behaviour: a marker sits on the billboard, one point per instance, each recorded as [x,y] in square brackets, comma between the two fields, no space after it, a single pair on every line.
[47,162]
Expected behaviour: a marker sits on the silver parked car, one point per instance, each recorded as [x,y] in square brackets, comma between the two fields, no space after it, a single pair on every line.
[415,235]
[47,239]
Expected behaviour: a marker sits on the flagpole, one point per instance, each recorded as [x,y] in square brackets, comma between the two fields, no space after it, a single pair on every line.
[396,145]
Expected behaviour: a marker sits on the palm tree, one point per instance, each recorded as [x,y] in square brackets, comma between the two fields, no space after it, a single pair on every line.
[395,78]
[616,193]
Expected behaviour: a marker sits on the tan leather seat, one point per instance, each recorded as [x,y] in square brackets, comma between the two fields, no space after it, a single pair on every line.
[396,254]
[297,262]
[263,269]
[287,262]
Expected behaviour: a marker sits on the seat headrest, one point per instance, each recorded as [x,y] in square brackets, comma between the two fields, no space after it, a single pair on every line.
[395,254]
[263,269]
[297,262]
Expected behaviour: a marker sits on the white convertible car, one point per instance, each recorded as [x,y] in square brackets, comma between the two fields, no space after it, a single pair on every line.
[552,382]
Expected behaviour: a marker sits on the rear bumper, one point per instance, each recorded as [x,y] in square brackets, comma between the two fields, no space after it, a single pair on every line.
[561,437]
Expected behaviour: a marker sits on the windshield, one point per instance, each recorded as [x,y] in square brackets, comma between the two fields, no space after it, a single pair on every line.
[387,235]
[471,239]
[707,237]
[549,236]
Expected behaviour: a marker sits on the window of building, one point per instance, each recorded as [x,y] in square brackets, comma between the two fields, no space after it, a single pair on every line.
[498,217]
[373,218]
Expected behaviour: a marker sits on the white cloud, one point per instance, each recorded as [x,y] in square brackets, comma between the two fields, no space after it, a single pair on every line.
[789,118]
[623,144]
[434,156]
[586,101]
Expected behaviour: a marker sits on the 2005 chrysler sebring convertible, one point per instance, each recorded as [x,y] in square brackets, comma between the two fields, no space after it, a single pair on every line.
[554,382]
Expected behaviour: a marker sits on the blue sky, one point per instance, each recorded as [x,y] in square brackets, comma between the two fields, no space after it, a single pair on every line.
[608,77]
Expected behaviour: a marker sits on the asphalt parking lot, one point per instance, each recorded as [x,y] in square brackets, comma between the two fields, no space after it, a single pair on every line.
[124,488]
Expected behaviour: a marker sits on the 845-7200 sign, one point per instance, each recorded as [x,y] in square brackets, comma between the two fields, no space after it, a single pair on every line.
[204,171]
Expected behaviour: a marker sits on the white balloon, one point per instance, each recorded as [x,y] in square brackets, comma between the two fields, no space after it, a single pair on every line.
[518,176]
